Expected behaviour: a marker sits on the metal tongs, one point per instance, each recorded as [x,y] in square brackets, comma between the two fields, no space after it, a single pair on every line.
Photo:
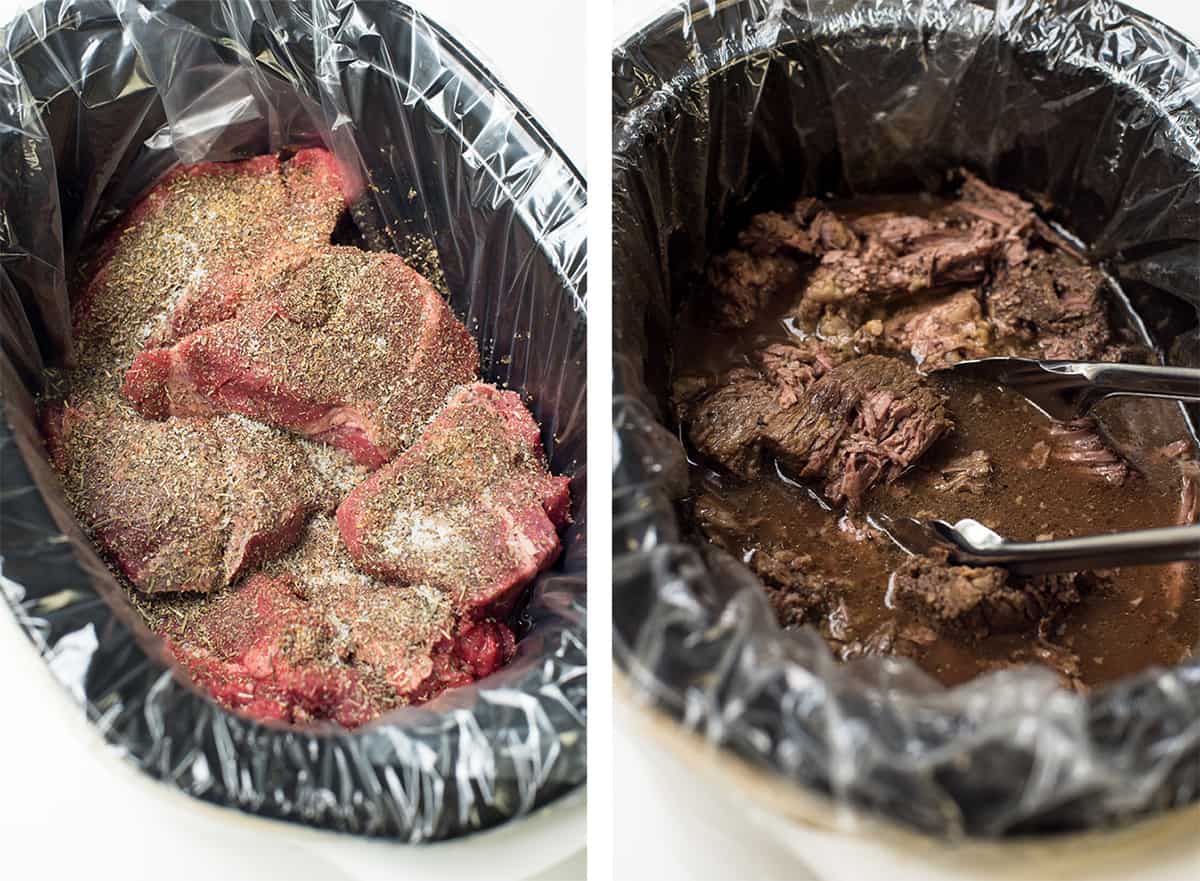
[1063,390]
[969,542]
[1066,390]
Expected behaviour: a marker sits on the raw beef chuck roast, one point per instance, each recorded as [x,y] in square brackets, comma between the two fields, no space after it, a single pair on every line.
[351,348]
[469,507]
[812,386]
[238,380]
[311,637]
[194,248]
[182,505]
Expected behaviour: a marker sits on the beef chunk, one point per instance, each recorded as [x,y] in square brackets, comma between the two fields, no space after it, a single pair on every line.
[469,508]
[726,420]
[769,258]
[796,593]
[1051,306]
[939,332]
[863,421]
[807,229]
[1080,445]
[743,284]
[807,435]
[975,601]
[337,472]
[311,637]
[892,637]
[793,367]
[1012,218]
[181,505]
[898,259]
[351,348]
[970,473]
[186,255]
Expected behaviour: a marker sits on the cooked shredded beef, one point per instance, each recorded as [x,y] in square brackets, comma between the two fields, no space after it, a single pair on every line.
[863,421]
[1052,306]
[936,333]
[1080,445]
[793,367]
[796,595]
[976,601]
[867,298]
[743,284]
[727,424]
[970,473]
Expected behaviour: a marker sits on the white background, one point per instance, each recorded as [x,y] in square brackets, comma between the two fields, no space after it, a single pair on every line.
[71,809]
[671,823]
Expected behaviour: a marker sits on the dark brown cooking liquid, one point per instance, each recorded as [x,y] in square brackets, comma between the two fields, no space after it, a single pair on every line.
[1145,616]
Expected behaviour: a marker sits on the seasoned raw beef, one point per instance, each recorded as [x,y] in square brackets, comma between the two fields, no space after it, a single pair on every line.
[469,508]
[204,238]
[312,637]
[351,348]
[181,505]
[237,379]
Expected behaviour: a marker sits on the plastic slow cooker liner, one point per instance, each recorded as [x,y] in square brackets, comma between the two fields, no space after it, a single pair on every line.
[724,108]
[97,100]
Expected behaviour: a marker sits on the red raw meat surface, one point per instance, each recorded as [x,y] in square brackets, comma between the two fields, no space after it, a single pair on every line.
[469,508]
[182,505]
[351,348]
[311,638]
[196,246]
[217,317]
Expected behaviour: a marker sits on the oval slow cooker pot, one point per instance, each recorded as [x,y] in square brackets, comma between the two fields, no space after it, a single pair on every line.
[97,100]
[722,108]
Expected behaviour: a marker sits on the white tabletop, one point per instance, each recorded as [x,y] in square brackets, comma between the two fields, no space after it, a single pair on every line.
[72,809]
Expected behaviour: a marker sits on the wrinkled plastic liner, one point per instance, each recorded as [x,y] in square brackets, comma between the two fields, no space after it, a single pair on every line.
[722,109]
[97,101]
